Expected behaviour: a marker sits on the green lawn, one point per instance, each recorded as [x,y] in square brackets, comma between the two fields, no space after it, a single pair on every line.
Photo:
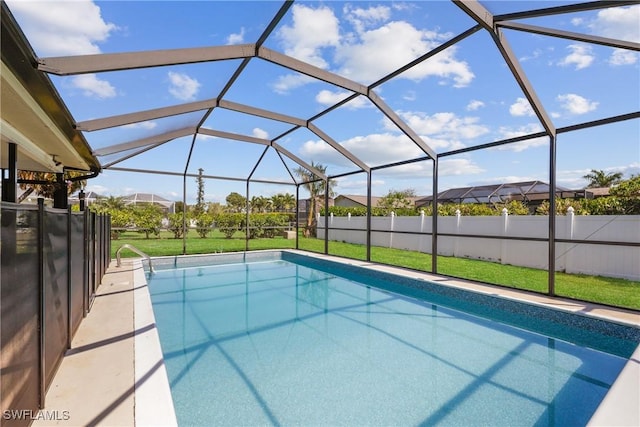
[604,290]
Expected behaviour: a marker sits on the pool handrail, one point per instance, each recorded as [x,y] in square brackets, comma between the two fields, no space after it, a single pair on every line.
[134,249]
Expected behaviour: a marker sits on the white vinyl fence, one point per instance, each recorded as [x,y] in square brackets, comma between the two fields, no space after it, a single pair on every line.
[577,258]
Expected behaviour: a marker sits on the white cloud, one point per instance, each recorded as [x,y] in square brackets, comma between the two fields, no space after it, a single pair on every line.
[142,125]
[521,107]
[62,28]
[363,18]
[618,23]
[508,132]
[182,86]
[576,104]
[377,52]
[92,86]
[65,29]
[581,56]
[410,96]
[474,105]
[260,133]
[236,38]
[374,49]
[623,57]
[345,185]
[327,97]
[446,126]
[287,82]
[450,167]
[311,31]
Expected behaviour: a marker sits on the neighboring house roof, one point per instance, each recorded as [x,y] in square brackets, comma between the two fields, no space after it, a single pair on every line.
[526,190]
[598,192]
[146,198]
[361,200]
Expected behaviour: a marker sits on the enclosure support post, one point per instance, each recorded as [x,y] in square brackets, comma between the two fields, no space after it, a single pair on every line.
[326,216]
[42,343]
[552,215]
[369,215]
[85,264]
[434,219]
[297,216]
[69,290]
[248,208]
[184,214]
[11,182]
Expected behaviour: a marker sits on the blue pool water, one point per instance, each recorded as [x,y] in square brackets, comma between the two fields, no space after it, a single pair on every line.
[280,343]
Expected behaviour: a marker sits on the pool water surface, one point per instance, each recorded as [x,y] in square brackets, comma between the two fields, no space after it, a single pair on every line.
[280,343]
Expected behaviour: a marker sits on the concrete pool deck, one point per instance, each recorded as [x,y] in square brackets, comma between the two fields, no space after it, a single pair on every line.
[114,373]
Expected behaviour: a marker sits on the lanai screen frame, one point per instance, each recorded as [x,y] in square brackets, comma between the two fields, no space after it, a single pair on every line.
[485,21]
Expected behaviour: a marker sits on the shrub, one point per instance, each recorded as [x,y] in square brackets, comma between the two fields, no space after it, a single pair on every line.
[204,221]
[175,224]
[229,223]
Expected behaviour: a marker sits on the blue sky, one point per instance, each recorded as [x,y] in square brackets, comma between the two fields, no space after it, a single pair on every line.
[463,97]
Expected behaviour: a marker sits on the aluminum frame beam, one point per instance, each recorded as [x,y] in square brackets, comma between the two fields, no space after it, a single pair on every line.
[233,136]
[155,139]
[310,70]
[280,149]
[259,112]
[141,116]
[483,17]
[391,115]
[570,8]
[83,64]
[604,41]
[326,138]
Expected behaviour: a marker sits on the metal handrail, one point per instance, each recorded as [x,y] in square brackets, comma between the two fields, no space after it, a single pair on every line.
[136,250]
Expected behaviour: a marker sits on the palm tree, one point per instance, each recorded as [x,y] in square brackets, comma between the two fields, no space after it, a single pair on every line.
[258,203]
[600,178]
[288,201]
[317,190]
[277,200]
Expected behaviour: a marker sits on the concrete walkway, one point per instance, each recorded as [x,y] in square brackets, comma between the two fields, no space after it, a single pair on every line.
[95,381]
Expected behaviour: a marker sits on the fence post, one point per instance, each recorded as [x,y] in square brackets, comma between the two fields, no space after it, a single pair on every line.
[570,218]
[43,322]
[421,237]
[505,232]
[393,216]
[456,242]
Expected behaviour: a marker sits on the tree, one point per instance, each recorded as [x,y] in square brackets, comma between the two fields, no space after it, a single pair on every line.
[317,190]
[148,219]
[199,207]
[600,178]
[49,183]
[175,224]
[236,202]
[260,204]
[283,202]
[397,200]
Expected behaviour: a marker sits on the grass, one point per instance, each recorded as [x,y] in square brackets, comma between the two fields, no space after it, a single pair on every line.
[603,290]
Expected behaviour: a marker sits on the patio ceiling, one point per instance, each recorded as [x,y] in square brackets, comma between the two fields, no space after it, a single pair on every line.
[191,124]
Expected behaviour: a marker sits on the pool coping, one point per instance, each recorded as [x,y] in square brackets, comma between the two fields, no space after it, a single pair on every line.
[152,403]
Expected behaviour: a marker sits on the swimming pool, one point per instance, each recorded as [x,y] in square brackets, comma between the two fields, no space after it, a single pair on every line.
[288,340]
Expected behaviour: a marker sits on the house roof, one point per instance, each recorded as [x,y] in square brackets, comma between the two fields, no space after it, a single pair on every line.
[361,200]
[146,198]
[526,190]
[33,115]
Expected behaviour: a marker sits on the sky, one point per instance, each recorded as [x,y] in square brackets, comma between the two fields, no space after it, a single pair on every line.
[463,97]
